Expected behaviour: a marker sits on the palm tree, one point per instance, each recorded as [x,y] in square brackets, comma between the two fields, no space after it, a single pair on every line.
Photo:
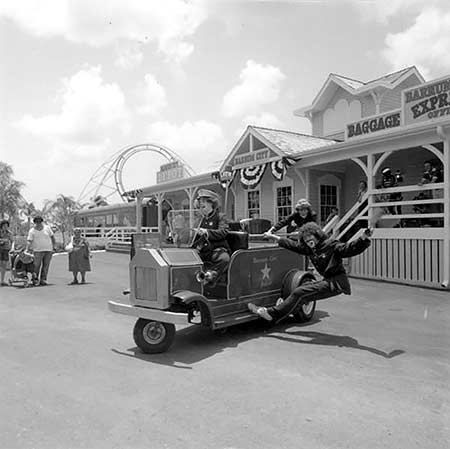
[9,192]
[26,210]
[60,213]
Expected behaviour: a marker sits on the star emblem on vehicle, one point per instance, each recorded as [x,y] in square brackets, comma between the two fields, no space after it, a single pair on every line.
[265,271]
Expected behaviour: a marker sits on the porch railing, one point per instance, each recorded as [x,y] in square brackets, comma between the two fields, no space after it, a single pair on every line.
[377,208]
[408,242]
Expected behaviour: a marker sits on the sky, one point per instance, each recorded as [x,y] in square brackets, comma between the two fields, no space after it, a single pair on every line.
[81,80]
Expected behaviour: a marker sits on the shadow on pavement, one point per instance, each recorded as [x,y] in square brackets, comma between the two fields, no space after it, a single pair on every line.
[195,343]
[319,338]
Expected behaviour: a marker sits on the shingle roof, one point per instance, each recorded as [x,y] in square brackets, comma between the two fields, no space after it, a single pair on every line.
[390,77]
[355,87]
[291,143]
[355,84]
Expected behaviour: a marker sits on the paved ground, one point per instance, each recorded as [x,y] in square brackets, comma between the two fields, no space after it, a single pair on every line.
[372,371]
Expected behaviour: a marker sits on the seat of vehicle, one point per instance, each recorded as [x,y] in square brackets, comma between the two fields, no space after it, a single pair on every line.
[255,225]
[237,240]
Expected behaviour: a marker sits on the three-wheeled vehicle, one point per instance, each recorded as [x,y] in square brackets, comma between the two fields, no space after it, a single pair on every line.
[167,287]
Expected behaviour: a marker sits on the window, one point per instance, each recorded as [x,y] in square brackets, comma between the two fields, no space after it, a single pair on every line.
[283,202]
[253,204]
[328,200]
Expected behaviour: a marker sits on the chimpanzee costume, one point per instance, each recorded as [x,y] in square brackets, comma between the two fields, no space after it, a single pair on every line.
[326,257]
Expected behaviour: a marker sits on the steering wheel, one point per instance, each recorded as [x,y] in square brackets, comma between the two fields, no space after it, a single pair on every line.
[200,241]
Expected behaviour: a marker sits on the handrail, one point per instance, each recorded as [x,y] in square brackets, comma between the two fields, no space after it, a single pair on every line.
[115,233]
[335,229]
[330,225]
[407,202]
[410,188]
[352,223]
[355,207]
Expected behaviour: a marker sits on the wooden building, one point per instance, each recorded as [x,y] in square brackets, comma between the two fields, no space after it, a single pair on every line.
[359,129]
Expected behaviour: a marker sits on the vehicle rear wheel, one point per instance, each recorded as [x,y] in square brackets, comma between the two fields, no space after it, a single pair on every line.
[292,280]
[153,337]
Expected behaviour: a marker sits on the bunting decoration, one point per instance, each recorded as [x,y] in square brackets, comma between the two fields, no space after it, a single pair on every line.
[280,167]
[251,176]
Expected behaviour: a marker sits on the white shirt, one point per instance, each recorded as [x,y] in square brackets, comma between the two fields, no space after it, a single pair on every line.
[40,240]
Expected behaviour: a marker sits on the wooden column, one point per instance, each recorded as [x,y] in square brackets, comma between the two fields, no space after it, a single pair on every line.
[160,198]
[307,192]
[370,185]
[191,191]
[138,212]
[445,134]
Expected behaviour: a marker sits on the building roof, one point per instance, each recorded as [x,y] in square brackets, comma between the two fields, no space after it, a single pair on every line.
[291,143]
[356,87]
[391,77]
[354,84]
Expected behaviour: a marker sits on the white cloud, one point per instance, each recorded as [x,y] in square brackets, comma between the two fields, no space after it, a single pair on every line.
[90,111]
[265,119]
[199,143]
[153,96]
[384,10]
[129,57]
[260,85]
[425,44]
[168,23]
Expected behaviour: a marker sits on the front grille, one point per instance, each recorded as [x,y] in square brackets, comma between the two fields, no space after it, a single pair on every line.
[145,284]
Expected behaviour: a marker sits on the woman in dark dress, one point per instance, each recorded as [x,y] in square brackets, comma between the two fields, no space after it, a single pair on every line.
[5,246]
[79,257]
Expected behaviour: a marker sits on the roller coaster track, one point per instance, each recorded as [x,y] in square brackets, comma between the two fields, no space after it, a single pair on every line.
[107,180]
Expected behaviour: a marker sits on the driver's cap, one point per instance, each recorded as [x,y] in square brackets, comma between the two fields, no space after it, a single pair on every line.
[209,194]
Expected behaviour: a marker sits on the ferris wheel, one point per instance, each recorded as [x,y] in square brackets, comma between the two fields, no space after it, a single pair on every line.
[107,180]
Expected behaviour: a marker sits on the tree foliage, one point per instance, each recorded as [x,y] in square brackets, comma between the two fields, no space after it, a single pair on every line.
[10,197]
[60,213]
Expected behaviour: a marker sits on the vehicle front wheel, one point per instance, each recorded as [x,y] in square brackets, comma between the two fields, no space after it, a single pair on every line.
[305,312]
[153,337]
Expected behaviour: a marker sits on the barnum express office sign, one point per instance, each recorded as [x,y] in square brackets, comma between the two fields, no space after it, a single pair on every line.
[429,101]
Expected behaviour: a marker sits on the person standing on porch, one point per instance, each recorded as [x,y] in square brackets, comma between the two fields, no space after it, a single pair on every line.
[362,190]
[388,180]
[303,214]
[42,241]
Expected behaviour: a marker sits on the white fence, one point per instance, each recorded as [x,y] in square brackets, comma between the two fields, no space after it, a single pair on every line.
[106,236]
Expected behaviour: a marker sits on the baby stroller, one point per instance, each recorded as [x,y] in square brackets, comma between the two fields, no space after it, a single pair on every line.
[22,267]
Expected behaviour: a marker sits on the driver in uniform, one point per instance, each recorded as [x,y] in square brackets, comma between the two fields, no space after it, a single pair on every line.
[210,240]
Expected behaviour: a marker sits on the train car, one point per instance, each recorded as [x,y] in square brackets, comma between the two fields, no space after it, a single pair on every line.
[116,215]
